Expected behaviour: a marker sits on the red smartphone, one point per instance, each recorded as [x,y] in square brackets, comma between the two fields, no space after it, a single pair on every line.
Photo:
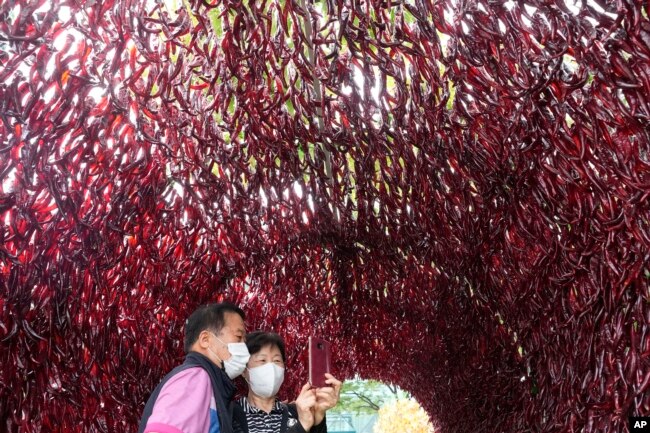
[319,361]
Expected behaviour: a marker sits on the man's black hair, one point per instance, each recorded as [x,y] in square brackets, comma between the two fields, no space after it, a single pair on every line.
[209,317]
[257,340]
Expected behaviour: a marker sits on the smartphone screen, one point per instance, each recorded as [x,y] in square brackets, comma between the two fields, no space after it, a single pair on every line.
[319,361]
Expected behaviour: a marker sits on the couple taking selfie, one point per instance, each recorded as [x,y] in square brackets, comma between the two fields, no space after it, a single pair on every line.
[197,396]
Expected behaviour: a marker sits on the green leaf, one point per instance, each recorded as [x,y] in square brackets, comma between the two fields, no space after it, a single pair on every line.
[312,151]
[408,17]
[301,154]
[290,109]
[232,106]
[216,21]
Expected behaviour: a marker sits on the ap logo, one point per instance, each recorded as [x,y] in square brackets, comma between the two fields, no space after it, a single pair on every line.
[639,424]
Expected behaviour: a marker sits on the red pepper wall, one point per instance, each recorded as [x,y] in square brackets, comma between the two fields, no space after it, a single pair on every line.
[470,221]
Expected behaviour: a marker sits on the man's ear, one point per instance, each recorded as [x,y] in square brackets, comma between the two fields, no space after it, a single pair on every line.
[204,339]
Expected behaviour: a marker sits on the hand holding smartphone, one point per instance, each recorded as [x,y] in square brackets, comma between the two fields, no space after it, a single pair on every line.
[319,361]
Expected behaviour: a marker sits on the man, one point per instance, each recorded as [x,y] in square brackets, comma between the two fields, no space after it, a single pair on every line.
[195,396]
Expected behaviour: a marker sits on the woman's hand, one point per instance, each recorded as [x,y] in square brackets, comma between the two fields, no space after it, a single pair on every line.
[305,404]
[326,397]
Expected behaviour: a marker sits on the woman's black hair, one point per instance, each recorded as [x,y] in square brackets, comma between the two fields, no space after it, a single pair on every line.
[257,340]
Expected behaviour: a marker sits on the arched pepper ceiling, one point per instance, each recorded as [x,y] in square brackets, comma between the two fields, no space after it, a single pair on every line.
[454,192]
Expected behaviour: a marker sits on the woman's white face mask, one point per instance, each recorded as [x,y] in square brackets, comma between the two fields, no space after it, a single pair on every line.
[265,380]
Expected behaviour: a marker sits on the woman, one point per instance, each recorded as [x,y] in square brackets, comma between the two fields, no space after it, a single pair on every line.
[261,411]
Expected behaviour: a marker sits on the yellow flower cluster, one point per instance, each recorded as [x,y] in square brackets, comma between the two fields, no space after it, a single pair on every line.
[402,416]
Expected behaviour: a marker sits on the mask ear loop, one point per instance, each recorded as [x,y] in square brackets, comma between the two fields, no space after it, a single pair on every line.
[249,372]
[223,365]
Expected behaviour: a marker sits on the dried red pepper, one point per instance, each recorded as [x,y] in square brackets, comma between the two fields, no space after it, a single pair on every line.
[482,240]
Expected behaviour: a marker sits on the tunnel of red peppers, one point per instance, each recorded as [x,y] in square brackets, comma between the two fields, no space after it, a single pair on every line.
[454,192]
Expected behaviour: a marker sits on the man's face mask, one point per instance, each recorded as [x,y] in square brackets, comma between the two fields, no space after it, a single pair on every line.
[239,356]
